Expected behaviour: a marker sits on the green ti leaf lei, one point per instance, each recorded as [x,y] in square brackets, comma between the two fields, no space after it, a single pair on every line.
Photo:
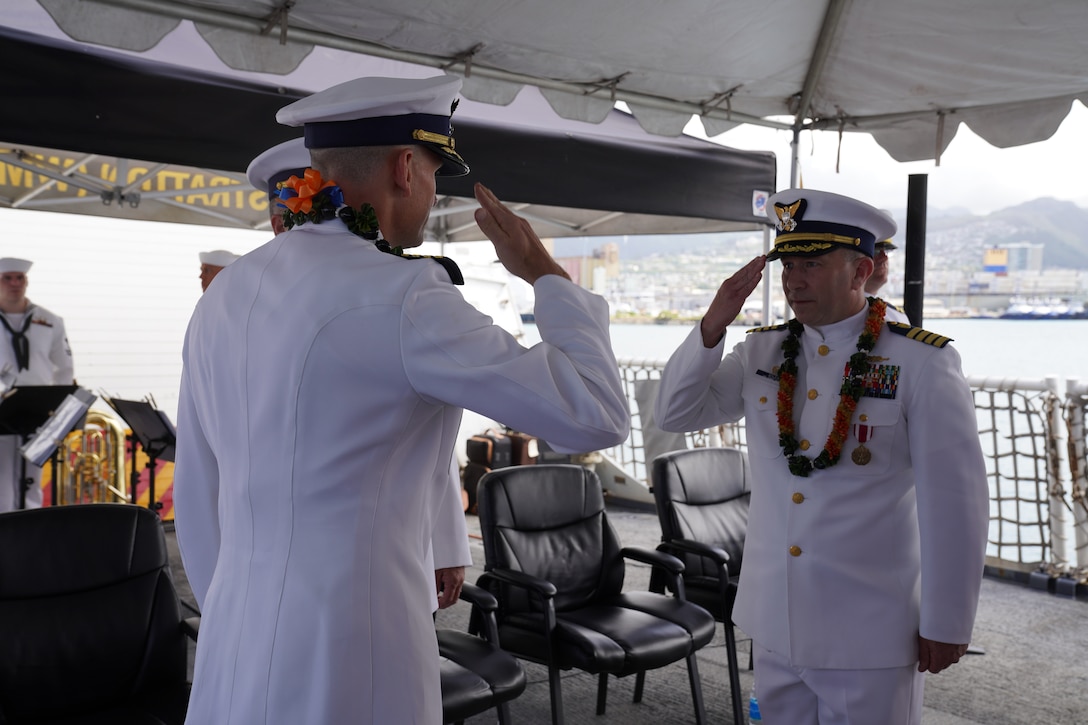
[314,200]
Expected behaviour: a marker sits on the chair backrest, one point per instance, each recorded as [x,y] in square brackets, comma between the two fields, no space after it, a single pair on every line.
[89,616]
[548,521]
[702,494]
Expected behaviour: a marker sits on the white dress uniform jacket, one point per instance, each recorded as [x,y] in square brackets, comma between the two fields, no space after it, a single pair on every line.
[50,363]
[842,569]
[321,394]
[449,539]
[894,314]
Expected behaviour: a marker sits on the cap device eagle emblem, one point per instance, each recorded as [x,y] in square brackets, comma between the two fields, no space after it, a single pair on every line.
[789,214]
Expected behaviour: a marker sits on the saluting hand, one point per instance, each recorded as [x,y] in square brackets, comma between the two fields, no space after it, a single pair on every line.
[730,299]
[519,248]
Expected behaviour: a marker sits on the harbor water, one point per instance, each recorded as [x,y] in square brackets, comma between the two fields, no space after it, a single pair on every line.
[991,348]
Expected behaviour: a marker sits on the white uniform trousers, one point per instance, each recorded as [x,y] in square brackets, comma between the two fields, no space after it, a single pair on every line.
[791,695]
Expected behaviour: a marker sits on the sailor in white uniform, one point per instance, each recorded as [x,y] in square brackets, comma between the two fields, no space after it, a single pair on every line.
[879,278]
[449,545]
[323,383]
[212,263]
[869,509]
[33,351]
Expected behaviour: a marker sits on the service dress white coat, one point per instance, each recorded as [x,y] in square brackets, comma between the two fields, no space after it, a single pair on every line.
[894,314]
[50,363]
[449,539]
[844,568]
[321,394]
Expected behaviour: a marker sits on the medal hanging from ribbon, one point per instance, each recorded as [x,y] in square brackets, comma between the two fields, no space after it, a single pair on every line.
[862,455]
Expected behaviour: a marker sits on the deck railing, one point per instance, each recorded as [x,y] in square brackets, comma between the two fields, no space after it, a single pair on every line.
[1033,437]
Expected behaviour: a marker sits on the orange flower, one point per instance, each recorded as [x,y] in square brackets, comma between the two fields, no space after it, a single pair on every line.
[306,189]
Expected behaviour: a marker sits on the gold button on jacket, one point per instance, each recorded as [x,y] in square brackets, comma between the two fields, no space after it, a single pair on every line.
[795,550]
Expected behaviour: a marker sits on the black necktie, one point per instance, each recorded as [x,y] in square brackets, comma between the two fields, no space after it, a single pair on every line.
[19,343]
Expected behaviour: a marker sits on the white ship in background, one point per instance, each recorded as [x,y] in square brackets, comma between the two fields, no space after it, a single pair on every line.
[1047,308]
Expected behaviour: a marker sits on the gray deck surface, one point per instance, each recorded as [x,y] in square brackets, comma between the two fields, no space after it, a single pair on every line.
[1034,670]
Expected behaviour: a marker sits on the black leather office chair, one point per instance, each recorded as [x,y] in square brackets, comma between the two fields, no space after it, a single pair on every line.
[702,499]
[90,628]
[555,564]
[476,674]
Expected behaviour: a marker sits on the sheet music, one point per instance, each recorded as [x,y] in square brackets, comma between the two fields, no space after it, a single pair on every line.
[38,449]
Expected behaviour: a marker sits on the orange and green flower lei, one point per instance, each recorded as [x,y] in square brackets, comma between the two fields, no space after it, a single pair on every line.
[314,199]
[849,394]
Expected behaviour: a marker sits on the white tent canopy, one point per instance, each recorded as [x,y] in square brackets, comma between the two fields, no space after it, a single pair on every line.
[165,135]
[909,73]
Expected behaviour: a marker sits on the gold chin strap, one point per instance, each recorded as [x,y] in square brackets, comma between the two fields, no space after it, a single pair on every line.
[431,137]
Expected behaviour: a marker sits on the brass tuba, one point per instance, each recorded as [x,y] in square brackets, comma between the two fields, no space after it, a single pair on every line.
[91,462]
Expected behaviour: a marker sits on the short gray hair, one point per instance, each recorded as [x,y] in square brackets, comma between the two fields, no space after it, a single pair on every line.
[349,164]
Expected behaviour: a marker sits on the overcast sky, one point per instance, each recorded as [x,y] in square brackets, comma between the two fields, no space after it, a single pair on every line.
[973,174]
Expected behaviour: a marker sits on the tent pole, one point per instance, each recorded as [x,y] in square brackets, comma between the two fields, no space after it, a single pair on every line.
[795,159]
[915,262]
[768,313]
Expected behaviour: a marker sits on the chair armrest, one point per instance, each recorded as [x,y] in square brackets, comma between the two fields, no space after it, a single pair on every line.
[190,626]
[663,559]
[690,546]
[716,554]
[484,605]
[479,597]
[542,587]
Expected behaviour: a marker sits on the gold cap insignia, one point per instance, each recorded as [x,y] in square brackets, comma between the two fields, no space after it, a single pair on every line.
[788,215]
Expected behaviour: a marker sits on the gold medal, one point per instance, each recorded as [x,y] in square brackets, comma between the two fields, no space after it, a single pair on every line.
[861,455]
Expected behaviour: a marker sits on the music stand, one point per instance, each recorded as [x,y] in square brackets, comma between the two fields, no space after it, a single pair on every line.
[23,410]
[152,429]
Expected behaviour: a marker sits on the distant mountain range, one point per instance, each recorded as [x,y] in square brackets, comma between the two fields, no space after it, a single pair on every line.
[954,236]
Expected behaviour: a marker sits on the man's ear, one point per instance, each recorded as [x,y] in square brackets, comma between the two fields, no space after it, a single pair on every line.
[863,270]
[401,161]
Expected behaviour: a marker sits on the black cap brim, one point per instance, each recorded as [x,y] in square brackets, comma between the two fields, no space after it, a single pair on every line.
[452,163]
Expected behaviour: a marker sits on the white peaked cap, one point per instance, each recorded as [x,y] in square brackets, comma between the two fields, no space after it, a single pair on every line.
[278,164]
[813,222]
[378,111]
[218,258]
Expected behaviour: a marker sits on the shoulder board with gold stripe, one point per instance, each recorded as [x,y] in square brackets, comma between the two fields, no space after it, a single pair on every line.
[451,267]
[768,328]
[917,333]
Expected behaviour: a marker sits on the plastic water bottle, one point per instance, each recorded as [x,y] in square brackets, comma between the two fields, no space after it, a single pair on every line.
[753,708]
